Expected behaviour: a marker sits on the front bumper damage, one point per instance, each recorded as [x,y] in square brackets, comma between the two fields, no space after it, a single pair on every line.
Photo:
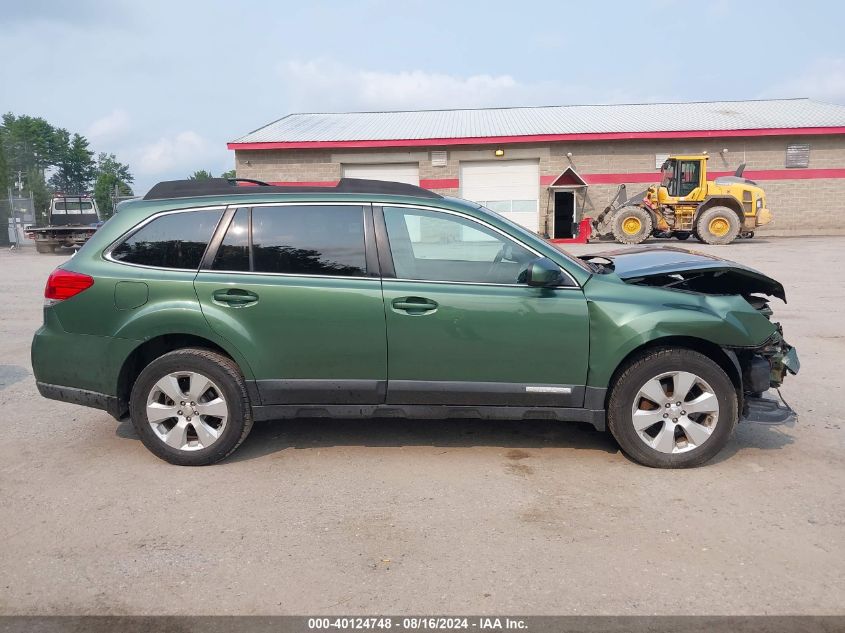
[765,368]
[767,411]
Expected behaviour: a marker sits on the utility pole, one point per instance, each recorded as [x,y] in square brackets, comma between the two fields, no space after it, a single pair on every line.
[13,230]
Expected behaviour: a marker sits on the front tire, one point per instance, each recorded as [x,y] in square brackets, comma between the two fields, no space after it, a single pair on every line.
[191,407]
[632,225]
[672,408]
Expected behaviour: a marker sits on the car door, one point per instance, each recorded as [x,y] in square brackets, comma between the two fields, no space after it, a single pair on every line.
[462,329]
[295,288]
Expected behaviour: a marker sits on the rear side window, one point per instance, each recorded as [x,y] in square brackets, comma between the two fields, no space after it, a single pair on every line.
[296,240]
[176,240]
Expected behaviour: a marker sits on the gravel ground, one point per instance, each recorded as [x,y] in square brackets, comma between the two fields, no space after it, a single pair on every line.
[318,517]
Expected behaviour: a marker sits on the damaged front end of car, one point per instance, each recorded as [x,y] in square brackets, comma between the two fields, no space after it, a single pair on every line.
[765,368]
[761,367]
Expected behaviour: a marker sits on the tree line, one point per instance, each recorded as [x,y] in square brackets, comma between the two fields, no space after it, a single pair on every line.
[47,159]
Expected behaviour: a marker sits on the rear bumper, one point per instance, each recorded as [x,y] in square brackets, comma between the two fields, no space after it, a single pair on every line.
[78,368]
[83,397]
[64,240]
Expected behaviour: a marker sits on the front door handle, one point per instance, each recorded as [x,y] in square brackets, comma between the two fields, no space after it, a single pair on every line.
[234,297]
[414,305]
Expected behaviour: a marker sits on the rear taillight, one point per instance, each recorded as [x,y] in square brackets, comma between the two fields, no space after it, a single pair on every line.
[64,284]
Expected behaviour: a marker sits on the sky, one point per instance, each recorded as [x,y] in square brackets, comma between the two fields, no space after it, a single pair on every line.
[164,85]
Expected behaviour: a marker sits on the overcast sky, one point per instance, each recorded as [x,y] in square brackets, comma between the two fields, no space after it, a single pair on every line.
[165,85]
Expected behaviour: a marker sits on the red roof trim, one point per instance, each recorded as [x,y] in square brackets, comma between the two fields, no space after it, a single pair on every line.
[538,138]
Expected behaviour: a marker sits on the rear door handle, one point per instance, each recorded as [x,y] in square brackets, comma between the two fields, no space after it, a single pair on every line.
[414,305]
[234,297]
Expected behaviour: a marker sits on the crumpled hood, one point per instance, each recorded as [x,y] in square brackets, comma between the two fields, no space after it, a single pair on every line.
[706,273]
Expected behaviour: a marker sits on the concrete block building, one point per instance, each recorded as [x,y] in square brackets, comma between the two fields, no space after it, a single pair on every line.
[546,167]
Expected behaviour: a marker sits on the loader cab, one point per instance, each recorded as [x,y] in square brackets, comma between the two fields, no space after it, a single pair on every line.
[682,175]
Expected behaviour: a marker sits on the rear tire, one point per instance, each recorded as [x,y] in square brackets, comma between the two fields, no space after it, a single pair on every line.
[718,225]
[649,425]
[632,225]
[191,407]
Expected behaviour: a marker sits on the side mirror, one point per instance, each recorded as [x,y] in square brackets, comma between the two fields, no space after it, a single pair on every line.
[544,273]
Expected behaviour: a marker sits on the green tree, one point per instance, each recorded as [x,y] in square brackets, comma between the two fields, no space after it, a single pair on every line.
[112,176]
[30,142]
[228,174]
[75,168]
[200,174]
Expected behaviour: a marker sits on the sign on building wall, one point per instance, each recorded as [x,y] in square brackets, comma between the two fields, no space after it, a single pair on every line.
[797,155]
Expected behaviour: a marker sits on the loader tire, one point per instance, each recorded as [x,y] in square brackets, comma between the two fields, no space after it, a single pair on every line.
[632,225]
[717,225]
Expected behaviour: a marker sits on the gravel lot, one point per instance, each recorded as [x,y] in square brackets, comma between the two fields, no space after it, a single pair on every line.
[313,517]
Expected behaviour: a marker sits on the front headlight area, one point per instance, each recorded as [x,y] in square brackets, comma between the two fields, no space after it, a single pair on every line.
[766,367]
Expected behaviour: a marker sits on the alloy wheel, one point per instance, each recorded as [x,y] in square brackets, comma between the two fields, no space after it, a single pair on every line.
[675,412]
[187,410]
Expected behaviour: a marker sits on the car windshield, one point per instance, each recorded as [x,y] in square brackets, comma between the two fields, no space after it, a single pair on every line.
[530,235]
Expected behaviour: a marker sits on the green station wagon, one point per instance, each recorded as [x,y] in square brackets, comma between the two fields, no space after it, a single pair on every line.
[208,305]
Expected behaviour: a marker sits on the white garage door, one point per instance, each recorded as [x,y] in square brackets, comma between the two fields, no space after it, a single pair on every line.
[397,172]
[509,187]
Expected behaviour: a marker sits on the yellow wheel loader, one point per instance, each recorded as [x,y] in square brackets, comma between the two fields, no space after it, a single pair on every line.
[685,203]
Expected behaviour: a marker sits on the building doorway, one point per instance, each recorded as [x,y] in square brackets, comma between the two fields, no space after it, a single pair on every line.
[565,225]
[565,217]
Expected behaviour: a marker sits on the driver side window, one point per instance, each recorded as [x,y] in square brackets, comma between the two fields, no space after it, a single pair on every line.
[434,246]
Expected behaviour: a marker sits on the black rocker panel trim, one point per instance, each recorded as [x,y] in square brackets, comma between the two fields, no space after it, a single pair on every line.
[430,412]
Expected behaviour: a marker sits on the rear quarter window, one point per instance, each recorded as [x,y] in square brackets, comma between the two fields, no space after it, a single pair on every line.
[174,240]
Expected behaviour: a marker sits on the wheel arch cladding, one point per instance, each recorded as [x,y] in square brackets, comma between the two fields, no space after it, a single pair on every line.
[157,346]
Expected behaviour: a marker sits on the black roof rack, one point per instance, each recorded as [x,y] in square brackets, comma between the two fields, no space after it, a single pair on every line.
[228,187]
